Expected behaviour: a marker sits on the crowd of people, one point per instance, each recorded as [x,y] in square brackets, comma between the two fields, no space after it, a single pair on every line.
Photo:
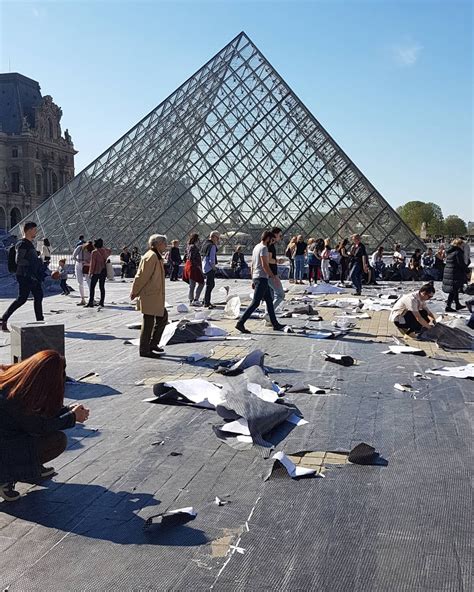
[32,411]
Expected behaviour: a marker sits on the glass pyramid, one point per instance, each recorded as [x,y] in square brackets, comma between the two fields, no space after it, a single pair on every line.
[233,149]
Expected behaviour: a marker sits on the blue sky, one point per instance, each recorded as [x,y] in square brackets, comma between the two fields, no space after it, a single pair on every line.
[391,81]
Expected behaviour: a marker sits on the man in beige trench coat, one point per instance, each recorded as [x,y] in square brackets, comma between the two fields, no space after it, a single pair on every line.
[149,289]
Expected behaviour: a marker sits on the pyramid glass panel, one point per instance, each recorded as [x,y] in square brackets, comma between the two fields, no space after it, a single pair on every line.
[234,150]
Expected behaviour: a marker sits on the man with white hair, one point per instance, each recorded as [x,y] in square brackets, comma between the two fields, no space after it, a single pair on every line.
[209,264]
[149,289]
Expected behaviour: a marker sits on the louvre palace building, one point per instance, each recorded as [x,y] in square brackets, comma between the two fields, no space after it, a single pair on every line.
[36,158]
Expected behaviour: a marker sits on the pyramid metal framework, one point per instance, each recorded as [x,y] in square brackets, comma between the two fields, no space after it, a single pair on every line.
[233,149]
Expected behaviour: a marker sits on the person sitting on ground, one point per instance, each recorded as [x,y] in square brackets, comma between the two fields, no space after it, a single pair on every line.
[63,277]
[32,417]
[238,263]
[415,265]
[428,259]
[410,313]
[149,289]
[175,260]
[399,257]
[377,263]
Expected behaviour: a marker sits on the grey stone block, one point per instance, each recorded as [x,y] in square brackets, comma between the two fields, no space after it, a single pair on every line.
[28,339]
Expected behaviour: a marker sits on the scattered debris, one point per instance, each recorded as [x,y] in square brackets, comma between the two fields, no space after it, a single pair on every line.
[404,349]
[342,360]
[172,518]
[232,308]
[219,502]
[134,326]
[448,338]
[182,308]
[232,368]
[294,471]
[421,376]
[454,371]
[135,342]
[406,388]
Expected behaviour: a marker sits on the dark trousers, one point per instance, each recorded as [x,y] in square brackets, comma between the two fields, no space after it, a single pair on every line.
[411,324]
[51,446]
[210,283]
[64,286]
[261,292]
[152,330]
[25,286]
[98,277]
[174,271]
[124,272]
[356,277]
[453,296]
[313,272]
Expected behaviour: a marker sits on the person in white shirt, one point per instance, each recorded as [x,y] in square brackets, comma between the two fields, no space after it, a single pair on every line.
[410,313]
[399,257]
[46,251]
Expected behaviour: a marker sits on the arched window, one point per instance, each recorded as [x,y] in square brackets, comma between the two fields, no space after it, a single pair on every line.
[15,182]
[15,217]
[54,182]
[3,219]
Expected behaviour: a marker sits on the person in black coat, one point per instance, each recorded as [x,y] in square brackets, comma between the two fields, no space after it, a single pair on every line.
[32,417]
[454,276]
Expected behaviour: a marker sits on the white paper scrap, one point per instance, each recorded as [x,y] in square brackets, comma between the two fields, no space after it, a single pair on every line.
[189,510]
[402,349]
[263,393]
[454,371]
[198,391]
[294,471]
[239,426]
[406,388]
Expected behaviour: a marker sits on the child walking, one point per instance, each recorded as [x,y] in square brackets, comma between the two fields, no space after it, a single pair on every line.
[66,290]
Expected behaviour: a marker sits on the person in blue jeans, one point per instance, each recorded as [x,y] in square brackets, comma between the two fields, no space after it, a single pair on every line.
[209,264]
[359,263]
[300,252]
[261,273]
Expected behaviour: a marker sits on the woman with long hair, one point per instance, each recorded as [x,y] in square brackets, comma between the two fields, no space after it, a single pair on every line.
[192,272]
[290,254]
[82,262]
[455,274]
[325,261]
[98,271]
[32,417]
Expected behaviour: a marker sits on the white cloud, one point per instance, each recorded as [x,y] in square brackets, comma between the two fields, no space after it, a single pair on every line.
[407,54]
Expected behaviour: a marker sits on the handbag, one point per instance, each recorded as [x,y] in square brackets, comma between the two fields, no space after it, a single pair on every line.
[85,269]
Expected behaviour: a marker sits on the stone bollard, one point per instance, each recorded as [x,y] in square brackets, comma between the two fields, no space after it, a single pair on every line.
[28,339]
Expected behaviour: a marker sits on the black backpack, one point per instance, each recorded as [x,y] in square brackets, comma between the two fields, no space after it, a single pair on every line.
[12,266]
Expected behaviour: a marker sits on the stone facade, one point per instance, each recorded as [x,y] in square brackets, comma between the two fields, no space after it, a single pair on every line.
[36,159]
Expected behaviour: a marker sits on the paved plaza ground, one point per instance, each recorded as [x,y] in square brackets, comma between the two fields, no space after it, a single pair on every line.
[403,526]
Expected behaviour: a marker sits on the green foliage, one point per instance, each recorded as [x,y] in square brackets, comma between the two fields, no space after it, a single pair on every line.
[414,213]
[454,226]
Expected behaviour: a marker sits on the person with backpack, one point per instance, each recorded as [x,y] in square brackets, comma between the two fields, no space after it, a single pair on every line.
[28,268]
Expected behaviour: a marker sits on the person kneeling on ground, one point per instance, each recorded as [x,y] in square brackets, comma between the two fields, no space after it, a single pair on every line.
[32,417]
[149,289]
[410,313]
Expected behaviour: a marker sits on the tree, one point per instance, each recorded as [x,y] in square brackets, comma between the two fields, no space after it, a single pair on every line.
[414,213]
[454,226]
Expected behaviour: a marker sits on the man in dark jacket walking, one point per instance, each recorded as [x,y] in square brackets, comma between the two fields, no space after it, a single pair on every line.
[454,275]
[29,275]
